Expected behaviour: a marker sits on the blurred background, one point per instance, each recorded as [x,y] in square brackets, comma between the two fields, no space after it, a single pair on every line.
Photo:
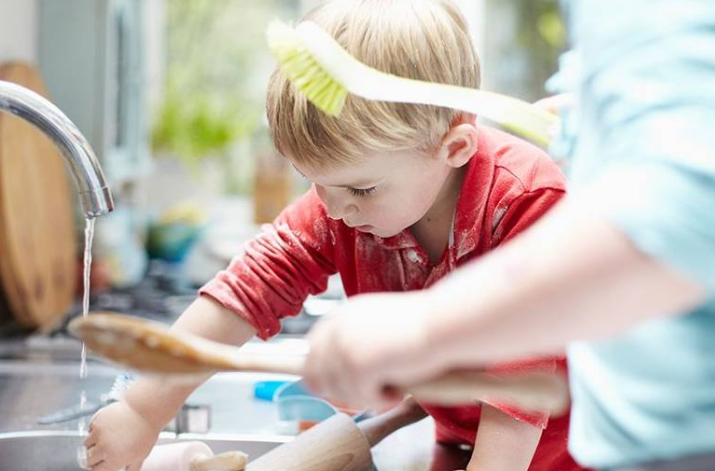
[170,93]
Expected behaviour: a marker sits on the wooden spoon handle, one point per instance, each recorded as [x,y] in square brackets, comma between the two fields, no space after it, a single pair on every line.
[229,461]
[544,392]
[547,392]
[531,391]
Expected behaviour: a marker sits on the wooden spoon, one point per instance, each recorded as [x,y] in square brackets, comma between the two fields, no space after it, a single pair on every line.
[151,347]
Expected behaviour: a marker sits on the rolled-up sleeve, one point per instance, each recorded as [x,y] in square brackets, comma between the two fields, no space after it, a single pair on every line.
[279,268]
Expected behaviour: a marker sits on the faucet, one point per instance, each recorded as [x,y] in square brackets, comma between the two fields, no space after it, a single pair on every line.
[94,195]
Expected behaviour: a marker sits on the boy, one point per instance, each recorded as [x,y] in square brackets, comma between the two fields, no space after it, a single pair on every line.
[402,195]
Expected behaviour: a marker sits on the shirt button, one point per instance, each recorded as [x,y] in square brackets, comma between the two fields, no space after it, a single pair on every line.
[413,256]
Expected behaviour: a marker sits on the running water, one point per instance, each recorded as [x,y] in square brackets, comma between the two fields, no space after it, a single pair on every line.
[88,237]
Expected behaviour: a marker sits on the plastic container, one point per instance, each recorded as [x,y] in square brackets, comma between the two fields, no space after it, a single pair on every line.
[299,409]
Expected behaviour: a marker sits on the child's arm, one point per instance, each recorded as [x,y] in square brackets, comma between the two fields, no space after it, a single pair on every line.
[159,399]
[276,271]
[269,280]
[123,434]
[503,443]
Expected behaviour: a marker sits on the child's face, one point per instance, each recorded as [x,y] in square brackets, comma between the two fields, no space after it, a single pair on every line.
[383,193]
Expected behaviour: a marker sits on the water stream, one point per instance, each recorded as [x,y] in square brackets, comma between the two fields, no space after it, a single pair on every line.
[88,237]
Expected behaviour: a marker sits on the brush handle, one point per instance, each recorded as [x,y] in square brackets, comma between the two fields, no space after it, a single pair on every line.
[514,115]
[231,461]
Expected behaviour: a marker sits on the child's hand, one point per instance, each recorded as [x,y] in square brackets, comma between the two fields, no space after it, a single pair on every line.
[119,438]
[370,342]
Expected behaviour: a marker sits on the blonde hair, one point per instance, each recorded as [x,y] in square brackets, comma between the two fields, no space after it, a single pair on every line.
[420,39]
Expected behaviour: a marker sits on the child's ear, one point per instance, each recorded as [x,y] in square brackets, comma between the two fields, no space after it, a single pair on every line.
[460,144]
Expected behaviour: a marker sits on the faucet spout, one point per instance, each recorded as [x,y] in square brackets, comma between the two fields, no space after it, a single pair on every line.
[94,195]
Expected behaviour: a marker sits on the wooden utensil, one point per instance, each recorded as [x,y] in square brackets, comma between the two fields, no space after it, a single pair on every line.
[338,443]
[153,348]
[37,238]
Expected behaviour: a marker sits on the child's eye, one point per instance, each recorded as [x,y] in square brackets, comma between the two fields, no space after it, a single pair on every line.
[362,191]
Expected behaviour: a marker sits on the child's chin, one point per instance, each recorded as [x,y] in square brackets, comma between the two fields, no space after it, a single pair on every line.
[382,232]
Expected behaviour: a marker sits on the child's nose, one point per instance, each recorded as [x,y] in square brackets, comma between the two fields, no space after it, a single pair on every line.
[337,207]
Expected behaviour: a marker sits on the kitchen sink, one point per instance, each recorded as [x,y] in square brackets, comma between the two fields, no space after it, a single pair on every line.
[57,450]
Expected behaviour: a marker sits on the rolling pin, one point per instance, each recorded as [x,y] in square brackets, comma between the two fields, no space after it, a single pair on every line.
[338,443]
[335,444]
[192,456]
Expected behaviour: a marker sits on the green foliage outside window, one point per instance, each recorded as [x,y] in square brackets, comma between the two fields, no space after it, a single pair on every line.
[216,71]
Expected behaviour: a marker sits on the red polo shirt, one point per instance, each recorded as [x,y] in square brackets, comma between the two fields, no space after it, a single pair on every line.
[508,185]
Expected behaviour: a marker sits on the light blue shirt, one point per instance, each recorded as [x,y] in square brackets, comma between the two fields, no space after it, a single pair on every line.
[644,137]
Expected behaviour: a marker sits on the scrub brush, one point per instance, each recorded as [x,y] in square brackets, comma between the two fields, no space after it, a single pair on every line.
[325,72]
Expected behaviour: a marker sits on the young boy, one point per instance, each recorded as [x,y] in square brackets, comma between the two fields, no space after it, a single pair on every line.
[402,195]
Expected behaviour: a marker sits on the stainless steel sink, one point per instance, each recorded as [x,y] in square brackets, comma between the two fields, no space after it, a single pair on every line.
[57,450]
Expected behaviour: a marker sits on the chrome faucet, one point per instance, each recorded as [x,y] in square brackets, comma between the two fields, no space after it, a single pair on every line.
[94,195]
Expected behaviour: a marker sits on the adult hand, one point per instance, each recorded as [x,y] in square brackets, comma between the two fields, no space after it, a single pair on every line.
[372,341]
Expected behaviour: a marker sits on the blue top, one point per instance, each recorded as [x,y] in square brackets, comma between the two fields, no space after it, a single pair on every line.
[644,72]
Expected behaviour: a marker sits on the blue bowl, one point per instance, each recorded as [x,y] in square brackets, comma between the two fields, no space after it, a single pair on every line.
[297,404]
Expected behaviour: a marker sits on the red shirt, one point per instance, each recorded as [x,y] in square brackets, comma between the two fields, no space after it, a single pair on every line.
[508,185]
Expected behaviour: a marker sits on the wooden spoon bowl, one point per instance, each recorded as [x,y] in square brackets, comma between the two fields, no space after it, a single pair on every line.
[151,347]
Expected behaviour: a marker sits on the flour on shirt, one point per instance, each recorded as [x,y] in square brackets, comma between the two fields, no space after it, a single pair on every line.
[498,215]
[465,245]
[413,256]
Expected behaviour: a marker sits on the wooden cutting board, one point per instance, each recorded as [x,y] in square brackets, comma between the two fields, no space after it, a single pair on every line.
[37,235]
